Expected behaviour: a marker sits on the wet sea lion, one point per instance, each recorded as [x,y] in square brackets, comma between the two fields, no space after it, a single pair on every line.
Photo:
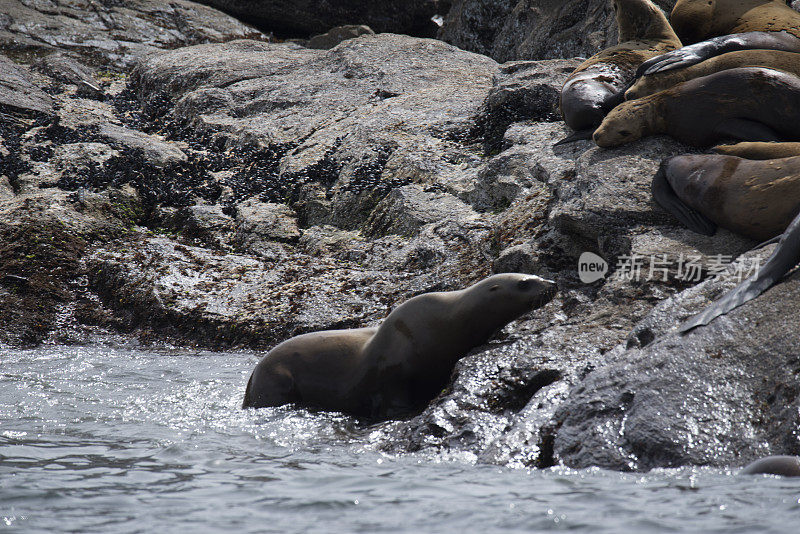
[746,104]
[714,27]
[755,198]
[759,150]
[783,259]
[785,466]
[401,365]
[773,59]
[596,86]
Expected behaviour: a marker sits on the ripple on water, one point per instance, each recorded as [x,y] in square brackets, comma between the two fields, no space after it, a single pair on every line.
[99,439]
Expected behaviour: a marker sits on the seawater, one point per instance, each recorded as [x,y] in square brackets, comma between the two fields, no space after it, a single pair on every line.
[110,439]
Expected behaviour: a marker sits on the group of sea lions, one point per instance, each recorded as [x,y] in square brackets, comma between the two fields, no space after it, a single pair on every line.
[738,79]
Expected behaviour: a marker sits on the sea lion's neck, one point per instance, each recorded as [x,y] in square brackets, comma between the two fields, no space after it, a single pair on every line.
[643,21]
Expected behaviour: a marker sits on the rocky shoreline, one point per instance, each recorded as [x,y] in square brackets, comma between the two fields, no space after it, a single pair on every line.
[168,173]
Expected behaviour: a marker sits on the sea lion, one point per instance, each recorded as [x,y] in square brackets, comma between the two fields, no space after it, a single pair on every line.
[699,20]
[597,85]
[784,258]
[754,198]
[714,27]
[401,365]
[773,59]
[785,466]
[746,104]
[759,150]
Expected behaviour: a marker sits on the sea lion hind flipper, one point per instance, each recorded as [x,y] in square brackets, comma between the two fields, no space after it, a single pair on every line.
[785,257]
[580,135]
[745,130]
[666,198]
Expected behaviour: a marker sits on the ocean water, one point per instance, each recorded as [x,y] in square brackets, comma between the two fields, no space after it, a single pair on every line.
[110,439]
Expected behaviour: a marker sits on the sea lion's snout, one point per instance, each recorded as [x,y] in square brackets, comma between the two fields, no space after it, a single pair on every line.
[541,289]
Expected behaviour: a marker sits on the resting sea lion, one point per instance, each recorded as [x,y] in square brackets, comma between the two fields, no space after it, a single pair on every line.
[755,198]
[773,59]
[597,85]
[698,20]
[786,466]
[404,363]
[747,104]
[719,26]
[759,150]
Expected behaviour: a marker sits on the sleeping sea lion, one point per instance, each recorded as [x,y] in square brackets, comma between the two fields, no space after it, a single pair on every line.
[754,198]
[773,59]
[597,85]
[714,27]
[401,365]
[745,104]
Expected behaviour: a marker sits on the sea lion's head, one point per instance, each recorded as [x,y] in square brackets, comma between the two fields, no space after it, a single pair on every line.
[626,123]
[509,295]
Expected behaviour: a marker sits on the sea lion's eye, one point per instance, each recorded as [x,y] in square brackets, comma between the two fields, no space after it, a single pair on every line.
[624,133]
[524,285]
[494,287]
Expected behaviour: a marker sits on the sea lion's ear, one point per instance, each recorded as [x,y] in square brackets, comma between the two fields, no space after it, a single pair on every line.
[494,287]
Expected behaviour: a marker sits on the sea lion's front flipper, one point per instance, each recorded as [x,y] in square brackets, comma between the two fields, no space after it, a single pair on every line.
[745,130]
[783,259]
[580,135]
[666,197]
[693,54]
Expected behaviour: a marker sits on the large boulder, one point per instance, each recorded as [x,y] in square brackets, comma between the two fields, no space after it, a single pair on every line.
[111,35]
[305,17]
[510,30]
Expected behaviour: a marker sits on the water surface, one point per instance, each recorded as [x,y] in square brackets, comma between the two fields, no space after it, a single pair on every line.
[109,439]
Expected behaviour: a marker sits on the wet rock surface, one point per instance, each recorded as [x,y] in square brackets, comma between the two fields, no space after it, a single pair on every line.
[235,194]
[510,30]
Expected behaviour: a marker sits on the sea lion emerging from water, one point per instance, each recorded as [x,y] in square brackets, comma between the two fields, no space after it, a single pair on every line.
[597,85]
[660,81]
[401,365]
[720,26]
[747,104]
[785,466]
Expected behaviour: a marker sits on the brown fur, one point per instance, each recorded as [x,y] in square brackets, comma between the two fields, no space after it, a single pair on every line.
[759,151]
[660,81]
[698,20]
[757,199]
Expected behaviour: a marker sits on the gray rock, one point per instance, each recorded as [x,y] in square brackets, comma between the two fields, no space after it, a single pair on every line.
[722,395]
[407,209]
[209,224]
[523,90]
[156,151]
[511,30]
[304,17]
[334,130]
[198,295]
[18,92]
[68,70]
[112,34]
[258,221]
[334,36]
